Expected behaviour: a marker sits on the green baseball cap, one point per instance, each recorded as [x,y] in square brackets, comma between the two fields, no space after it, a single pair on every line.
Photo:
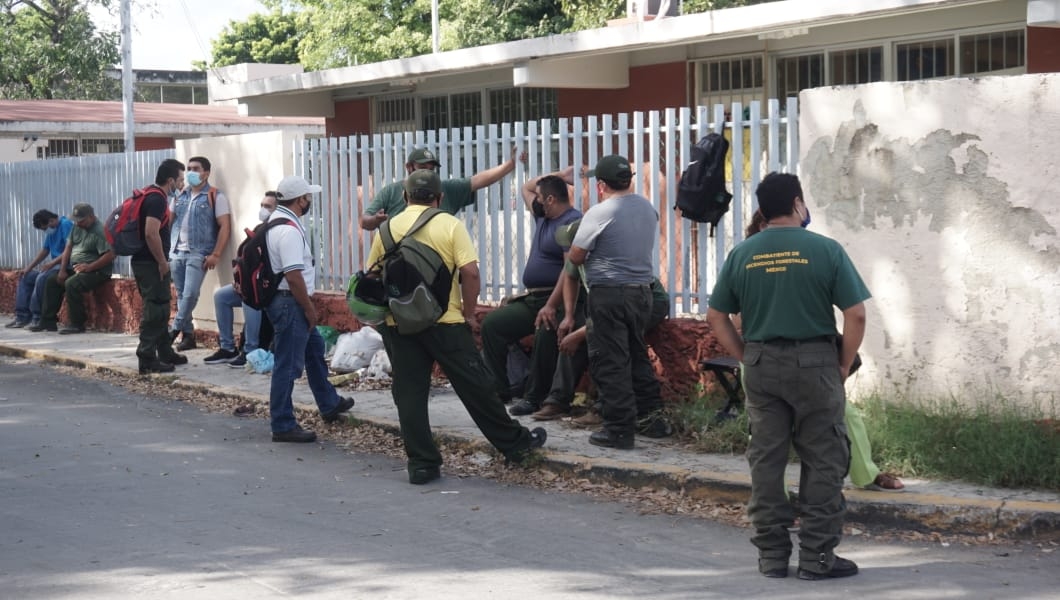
[423,179]
[422,156]
[611,168]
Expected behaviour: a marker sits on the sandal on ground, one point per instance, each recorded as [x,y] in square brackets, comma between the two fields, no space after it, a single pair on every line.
[885,482]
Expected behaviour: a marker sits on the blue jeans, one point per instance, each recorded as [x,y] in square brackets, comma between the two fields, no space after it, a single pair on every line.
[30,294]
[188,271]
[297,347]
[225,301]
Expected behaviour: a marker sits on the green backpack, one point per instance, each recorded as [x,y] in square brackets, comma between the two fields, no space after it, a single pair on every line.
[416,280]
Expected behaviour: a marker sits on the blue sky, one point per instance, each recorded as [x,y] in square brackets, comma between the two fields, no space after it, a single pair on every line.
[170,34]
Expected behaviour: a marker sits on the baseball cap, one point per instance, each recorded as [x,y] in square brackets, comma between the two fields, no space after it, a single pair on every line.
[423,179]
[82,211]
[611,168]
[294,186]
[422,156]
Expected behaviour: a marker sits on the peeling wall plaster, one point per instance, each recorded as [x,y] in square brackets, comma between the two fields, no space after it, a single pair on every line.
[945,194]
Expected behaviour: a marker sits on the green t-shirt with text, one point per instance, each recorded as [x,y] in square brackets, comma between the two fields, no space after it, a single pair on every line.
[784,283]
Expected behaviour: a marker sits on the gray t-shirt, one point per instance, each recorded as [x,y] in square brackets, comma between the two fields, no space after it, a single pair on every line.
[620,234]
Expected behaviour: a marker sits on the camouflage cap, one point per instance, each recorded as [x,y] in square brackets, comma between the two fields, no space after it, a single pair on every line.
[82,211]
[422,156]
[423,180]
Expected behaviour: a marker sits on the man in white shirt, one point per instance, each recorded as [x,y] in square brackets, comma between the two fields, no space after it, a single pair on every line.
[297,343]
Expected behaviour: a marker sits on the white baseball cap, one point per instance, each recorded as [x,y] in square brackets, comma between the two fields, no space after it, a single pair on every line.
[294,186]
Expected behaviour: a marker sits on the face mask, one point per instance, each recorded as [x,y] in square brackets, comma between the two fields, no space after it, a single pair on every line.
[308,205]
[806,221]
[49,231]
[193,178]
[263,214]
[538,209]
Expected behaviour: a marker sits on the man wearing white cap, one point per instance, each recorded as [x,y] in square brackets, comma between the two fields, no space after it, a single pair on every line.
[298,345]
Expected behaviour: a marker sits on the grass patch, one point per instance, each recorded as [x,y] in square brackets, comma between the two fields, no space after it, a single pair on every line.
[989,442]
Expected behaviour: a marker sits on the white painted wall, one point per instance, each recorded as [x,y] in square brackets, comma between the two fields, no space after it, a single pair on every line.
[944,193]
[243,167]
[11,150]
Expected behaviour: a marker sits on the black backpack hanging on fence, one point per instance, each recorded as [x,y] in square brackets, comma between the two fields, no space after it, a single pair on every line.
[702,196]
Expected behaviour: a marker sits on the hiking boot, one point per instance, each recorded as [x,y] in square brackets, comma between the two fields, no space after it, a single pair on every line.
[38,327]
[345,404]
[295,436]
[588,420]
[238,362]
[538,435]
[16,324]
[654,426]
[424,475]
[606,439]
[522,408]
[155,366]
[221,356]
[174,359]
[68,329]
[173,335]
[550,411]
[885,482]
[840,568]
[187,342]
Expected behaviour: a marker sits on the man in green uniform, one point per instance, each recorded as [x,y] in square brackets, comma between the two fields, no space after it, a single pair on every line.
[784,282]
[456,193]
[448,342]
[86,264]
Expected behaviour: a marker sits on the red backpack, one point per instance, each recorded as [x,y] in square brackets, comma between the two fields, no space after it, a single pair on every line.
[122,226]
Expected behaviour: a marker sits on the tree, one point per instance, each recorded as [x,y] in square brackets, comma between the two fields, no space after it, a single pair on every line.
[262,38]
[51,49]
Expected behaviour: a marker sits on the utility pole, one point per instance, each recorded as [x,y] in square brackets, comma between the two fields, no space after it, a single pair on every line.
[434,26]
[127,79]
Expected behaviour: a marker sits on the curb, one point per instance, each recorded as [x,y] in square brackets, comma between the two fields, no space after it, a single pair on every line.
[1013,519]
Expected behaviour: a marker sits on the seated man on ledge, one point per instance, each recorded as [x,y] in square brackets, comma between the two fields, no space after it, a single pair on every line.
[87,263]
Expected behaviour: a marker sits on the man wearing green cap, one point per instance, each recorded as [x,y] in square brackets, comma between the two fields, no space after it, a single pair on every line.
[86,264]
[456,193]
[448,342]
[614,243]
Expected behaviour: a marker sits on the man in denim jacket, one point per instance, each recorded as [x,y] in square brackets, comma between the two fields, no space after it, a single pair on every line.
[202,222]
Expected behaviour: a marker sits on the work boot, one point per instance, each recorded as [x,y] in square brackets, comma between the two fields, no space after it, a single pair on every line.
[606,439]
[522,408]
[187,342]
[155,366]
[840,568]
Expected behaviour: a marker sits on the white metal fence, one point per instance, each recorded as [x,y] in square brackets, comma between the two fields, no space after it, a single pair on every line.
[102,180]
[657,142]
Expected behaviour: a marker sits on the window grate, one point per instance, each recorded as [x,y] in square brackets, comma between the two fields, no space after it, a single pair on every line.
[924,60]
[989,52]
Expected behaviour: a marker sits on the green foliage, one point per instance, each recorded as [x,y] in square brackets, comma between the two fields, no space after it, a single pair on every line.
[51,49]
[991,442]
[689,7]
[696,422]
[589,14]
[263,38]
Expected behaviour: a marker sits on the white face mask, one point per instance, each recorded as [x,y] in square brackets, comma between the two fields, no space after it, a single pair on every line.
[263,214]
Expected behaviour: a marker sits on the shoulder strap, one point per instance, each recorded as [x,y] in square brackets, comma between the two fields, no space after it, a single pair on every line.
[211,197]
[388,237]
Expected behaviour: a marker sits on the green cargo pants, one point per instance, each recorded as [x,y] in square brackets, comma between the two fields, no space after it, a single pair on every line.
[154,321]
[795,396]
[73,290]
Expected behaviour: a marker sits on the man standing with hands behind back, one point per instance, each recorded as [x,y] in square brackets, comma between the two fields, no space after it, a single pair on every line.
[784,283]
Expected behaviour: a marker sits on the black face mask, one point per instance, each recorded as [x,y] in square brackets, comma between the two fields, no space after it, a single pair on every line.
[538,209]
[308,205]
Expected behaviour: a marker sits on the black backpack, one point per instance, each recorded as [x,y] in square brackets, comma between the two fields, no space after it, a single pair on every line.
[702,196]
[416,280]
[252,275]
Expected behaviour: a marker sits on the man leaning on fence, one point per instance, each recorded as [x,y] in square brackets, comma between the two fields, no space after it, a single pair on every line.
[457,192]
[784,283]
[448,342]
[151,269]
[86,264]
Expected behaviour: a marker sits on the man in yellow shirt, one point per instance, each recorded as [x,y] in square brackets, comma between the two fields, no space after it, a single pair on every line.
[449,342]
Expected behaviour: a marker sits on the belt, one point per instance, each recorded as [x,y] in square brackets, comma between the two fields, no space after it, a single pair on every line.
[284,293]
[539,290]
[619,286]
[830,339]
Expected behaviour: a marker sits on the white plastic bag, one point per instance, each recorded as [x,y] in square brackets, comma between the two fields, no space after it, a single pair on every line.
[355,350]
[379,368]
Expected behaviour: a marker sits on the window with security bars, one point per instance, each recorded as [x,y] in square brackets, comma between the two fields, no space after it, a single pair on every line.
[924,60]
[514,105]
[395,114]
[990,52]
[451,111]
[797,73]
[861,65]
[732,80]
[59,149]
[102,146]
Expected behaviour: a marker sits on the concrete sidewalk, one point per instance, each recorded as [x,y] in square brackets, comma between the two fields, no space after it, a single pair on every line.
[943,506]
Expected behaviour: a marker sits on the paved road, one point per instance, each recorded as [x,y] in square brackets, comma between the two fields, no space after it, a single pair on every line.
[106,494]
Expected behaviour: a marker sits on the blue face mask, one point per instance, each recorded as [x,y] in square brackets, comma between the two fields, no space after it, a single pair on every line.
[194,179]
[806,220]
[49,231]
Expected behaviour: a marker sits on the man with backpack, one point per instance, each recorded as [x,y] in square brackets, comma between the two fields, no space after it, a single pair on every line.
[448,342]
[151,270]
[298,344]
[203,223]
